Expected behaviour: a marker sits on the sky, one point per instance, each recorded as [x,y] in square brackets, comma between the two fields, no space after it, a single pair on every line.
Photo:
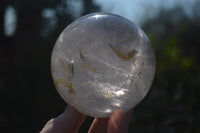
[136,10]
[140,10]
[10,21]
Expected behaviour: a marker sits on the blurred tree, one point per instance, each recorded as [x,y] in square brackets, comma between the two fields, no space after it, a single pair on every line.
[2,11]
[89,7]
[172,106]
[27,94]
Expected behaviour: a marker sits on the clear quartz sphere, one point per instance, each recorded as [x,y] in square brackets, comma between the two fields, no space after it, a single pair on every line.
[102,62]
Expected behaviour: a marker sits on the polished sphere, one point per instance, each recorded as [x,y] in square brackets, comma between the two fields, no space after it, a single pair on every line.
[101,63]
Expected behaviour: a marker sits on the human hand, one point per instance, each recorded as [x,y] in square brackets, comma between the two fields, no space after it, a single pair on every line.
[70,121]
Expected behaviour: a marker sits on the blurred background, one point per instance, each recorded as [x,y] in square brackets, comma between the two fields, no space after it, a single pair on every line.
[29,29]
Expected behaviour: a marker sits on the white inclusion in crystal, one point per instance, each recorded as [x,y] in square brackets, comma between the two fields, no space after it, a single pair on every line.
[75,29]
[108,64]
[71,61]
[109,90]
[117,103]
[140,33]
[119,92]
[107,110]
[61,38]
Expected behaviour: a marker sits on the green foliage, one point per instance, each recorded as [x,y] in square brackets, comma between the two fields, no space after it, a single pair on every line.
[173,103]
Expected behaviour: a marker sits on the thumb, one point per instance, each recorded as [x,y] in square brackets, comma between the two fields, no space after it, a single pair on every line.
[69,121]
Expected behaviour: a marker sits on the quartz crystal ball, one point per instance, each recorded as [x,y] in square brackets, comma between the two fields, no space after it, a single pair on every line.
[101,63]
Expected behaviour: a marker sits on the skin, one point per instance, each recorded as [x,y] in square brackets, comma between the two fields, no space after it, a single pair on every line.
[70,121]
